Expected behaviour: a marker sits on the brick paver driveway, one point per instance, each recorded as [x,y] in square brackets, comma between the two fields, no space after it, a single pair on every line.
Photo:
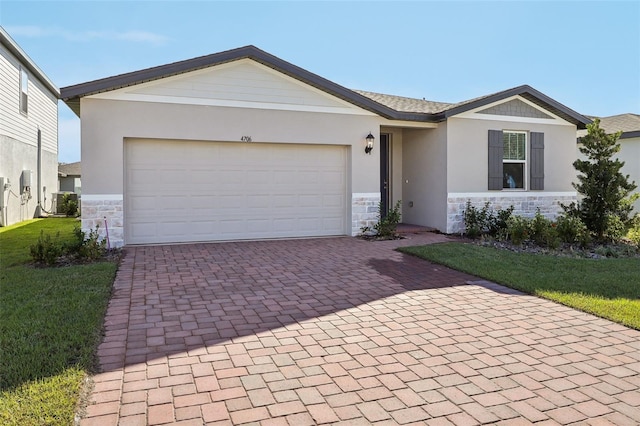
[342,330]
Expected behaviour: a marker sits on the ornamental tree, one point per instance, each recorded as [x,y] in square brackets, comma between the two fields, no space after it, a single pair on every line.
[607,197]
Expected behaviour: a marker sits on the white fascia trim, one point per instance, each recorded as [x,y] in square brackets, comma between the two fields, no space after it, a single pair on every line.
[512,194]
[365,195]
[474,114]
[227,103]
[408,124]
[102,197]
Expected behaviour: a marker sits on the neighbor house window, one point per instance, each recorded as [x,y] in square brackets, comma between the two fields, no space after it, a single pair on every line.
[24,91]
[514,160]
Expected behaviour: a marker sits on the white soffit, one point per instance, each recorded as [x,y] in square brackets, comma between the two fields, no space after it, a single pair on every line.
[239,84]
[476,115]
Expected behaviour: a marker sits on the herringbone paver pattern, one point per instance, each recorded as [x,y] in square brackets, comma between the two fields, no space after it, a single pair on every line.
[343,331]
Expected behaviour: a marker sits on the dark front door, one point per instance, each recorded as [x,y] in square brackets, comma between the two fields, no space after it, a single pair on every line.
[384,173]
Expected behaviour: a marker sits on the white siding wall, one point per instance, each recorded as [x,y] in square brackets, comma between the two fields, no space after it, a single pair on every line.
[42,110]
[19,141]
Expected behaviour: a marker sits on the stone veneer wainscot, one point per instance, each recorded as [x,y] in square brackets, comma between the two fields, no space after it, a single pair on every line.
[364,211]
[97,208]
[525,203]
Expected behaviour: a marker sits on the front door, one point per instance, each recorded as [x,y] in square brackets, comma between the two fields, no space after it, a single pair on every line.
[384,173]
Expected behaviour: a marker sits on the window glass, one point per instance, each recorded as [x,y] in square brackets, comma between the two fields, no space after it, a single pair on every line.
[24,91]
[514,146]
[514,160]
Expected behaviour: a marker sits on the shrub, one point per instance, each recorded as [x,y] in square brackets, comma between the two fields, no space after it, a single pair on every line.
[518,229]
[386,226]
[89,246]
[605,191]
[498,222]
[571,229]
[69,206]
[475,220]
[614,228]
[485,220]
[543,231]
[634,232]
[47,250]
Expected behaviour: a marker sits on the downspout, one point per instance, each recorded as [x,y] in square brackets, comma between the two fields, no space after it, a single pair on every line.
[39,210]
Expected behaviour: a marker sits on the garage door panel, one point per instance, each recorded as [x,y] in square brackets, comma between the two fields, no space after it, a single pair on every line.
[204,191]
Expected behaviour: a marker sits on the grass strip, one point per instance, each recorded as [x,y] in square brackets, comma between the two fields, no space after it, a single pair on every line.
[609,288]
[50,324]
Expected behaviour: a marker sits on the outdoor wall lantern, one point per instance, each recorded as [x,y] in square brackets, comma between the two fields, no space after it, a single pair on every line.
[369,146]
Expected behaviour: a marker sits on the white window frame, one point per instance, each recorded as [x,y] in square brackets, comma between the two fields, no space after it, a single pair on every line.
[23,90]
[525,162]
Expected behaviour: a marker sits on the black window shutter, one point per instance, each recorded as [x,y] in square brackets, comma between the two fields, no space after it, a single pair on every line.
[496,153]
[536,162]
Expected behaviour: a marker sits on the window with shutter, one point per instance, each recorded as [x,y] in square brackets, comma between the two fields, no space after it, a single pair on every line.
[537,161]
[514,160]
[495,159]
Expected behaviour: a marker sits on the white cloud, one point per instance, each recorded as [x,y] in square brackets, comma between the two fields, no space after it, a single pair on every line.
[136,36]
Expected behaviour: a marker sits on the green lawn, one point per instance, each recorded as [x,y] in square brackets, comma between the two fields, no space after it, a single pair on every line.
[50,323]
[609,288]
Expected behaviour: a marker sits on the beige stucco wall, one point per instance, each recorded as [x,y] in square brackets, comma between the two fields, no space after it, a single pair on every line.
[424,190]
[105,124]
[468,153]
[630,154]
[395,160]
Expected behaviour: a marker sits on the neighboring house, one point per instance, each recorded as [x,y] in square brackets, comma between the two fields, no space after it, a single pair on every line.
[69,177]
[28,135]
[243,145]
[629,125]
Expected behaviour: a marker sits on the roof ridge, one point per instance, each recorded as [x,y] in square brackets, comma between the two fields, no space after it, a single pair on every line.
[403,97]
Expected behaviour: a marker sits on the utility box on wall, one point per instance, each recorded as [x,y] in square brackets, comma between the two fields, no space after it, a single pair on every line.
[26,178]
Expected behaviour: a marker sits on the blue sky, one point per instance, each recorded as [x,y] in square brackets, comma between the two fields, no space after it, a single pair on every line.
[584,54]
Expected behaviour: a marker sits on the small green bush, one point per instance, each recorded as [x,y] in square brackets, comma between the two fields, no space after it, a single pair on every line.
[475,220]
[93,247]
[518,229]
[87,246]
[498,222]
[571,229]
[614,228]
[634,232]
[544,232]
[47,250]
[386,226]
[486,221]
[69,206]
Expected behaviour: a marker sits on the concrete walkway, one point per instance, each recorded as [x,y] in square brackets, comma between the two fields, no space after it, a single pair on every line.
[344,331]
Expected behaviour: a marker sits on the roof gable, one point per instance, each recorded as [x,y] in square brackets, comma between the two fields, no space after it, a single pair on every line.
[72,94]
[241,83]
[515,108]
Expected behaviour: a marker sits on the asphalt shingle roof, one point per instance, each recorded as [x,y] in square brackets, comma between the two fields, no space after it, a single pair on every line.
[70,169]
[388,106]
[622,122]
[400,103]
[628,124]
